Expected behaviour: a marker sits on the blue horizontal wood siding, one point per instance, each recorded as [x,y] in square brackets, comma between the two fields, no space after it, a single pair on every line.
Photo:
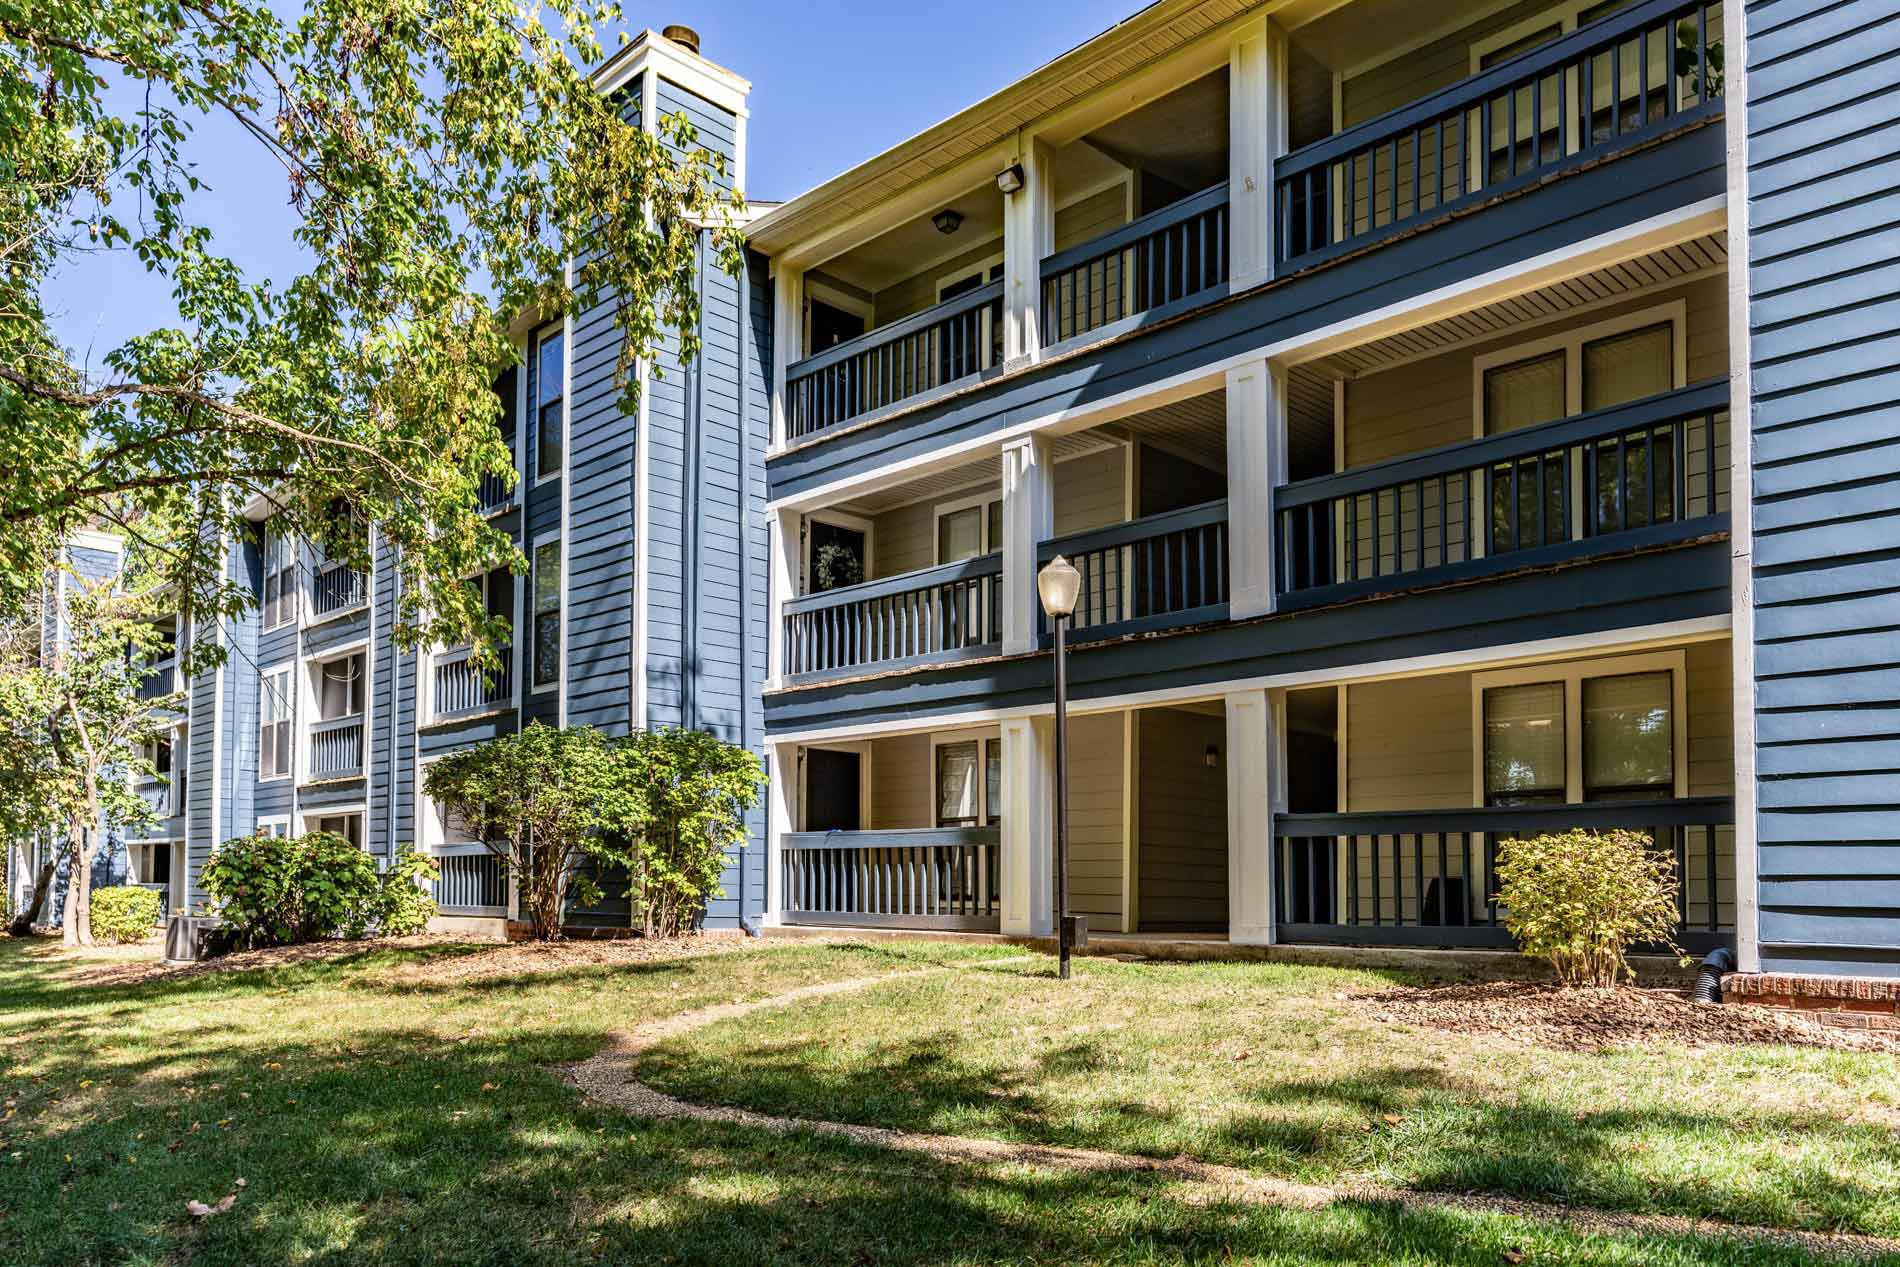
[1824,323]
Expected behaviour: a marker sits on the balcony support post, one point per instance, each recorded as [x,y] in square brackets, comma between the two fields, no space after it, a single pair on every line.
[1028,521]
[788,339]
[1029,218]
[1256,465]
[1028,844]
[781,819]
[1254,782]
[1257,131]
[786,531]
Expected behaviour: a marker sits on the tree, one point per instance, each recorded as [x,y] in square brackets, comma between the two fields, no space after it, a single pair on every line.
[450,164]
[696,790]
[74,728]
[543,800]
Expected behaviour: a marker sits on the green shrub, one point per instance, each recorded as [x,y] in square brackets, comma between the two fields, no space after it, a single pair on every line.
[274,891]
[1581,898]
[695,790]
[124,914]
[405,906]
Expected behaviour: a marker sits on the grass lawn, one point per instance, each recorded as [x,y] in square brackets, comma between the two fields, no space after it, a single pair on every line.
[385,1107]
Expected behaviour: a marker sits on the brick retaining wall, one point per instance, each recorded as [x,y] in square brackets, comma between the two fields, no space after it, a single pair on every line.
[1849,1002]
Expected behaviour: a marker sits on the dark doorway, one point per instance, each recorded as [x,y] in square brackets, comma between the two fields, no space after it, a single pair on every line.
[1312,761]
[837,556]
[832,785]
[832,326]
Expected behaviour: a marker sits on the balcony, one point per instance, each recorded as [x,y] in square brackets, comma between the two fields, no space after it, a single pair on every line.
[470,880]
[1159,572]
[936,878]
[1651,472]
[1609,86]
[337,588]
[930,615]
[1429,878]
[462,689]
[336,748]
[1164,261]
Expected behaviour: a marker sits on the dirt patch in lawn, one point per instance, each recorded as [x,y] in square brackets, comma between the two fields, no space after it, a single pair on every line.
[1591,1020]
[526,958]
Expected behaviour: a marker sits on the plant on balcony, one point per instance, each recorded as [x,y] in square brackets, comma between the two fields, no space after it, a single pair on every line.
[124,914]
[1581,899]
[565,791]
[696,790]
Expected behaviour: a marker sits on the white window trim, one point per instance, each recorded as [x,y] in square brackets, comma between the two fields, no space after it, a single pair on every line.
[1571,673]
[837,519]
[527,658]
[863,749]
[979,735]
[295,571]
[832,297]
[981,500]
[306,715]
[1570,342]
[267,821]
[289,669]
[307,818]
[531,424]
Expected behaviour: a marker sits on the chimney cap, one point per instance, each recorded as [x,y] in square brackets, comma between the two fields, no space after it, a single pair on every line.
[685,36]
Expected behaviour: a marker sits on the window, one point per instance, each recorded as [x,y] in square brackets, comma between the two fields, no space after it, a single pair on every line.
[1524,393]
[969,795]
[280,578]
[161,756]
[1588,730]
[1628,737]
[340,688]
[550,381]
[546,636]
[273,746]
[967,530]
[273,826]
[349,825]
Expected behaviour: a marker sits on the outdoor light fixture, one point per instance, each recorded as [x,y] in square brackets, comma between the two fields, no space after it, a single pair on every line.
[1010,179]
[1213,757]
[1058,585]
[947,221]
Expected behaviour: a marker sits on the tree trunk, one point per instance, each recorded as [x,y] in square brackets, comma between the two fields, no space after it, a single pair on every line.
[76,924]
[43,881]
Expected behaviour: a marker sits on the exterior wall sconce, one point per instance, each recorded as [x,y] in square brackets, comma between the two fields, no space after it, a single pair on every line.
[1212,758]
[1010,179]
[947,221]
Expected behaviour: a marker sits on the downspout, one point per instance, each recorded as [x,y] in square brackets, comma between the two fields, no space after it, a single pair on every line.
[395,690]
[743,519]
[689,527]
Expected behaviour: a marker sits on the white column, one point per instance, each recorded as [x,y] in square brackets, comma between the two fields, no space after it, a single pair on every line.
[788,338]
[781,817]
[1256,76]
[1028,852]
[1256,465]
[1029,514]
[786,532]
[1028,235]
[1251,769]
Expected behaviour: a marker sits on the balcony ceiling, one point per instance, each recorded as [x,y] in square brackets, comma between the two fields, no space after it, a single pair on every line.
[1350,34]
[1182,137]
[985,472]
[918,244]
[1698,255]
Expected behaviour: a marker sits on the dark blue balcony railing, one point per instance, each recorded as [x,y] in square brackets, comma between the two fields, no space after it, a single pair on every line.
[940,346]
[945,877]
[1645,473]
[931,614]
[1428,878]
[1166,257]
[1155,573]
[1617,82]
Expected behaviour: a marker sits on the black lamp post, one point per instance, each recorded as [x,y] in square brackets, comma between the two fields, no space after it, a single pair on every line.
[1058,585]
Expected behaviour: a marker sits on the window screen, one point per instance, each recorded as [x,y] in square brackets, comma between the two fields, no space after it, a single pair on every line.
[549,383]
[1630,366]
[992,782]
[274,725]
[1628,737]
[960,534]
[1524,393]
[1524,744]
[547,614]
[958,796]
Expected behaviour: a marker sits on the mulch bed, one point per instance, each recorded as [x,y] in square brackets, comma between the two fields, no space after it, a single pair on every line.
[1591,1020]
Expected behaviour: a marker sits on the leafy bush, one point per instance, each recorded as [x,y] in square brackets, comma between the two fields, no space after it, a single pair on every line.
[1581,899]
[404,907]
[124,914]
[696,790]
[275,891]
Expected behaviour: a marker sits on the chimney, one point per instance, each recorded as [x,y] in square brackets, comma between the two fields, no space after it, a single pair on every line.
[684,36]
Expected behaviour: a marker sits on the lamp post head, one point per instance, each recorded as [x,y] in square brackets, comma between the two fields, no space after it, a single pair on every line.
[1058,585]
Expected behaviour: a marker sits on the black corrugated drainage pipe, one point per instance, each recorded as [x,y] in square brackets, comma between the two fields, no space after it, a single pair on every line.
[1708,978]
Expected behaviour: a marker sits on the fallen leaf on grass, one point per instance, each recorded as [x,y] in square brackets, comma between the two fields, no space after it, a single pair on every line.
[1393,1119]
[199,1210]
[1515,1256]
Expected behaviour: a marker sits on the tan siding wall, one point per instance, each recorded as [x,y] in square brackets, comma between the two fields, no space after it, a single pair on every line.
[1096,873]
[1090,492]
[1408,744]
[1711,719]
[1091,217]
[1182,849]
[914,294]
[900,782]
[1429,402]
[1407,78]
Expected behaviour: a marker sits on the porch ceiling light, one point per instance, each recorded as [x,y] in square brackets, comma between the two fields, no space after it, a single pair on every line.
[1010,179]
[1057,585]
[947,221]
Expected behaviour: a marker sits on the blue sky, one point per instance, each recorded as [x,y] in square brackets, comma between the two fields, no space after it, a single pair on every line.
[832,83]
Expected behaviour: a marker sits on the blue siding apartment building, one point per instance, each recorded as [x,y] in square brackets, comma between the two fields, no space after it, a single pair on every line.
[1469,419]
